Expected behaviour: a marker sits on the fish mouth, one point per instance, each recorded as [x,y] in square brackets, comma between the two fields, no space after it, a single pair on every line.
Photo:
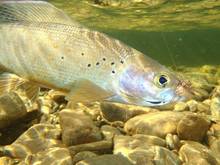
[156,102]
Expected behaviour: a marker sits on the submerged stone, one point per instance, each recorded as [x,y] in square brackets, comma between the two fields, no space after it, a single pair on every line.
[83,155]
[104,146]
[7,161]
[37,138]
[173,142]
[215,108]
[192,104]
[78,128]
[156,124]
[121,112]
[109,132]
[196,153]
[144,150]
[56,155]
[215,148]
[192,127]
[106,159]
[12,108]
[181,106]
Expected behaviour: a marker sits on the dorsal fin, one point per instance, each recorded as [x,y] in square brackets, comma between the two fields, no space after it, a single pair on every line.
[32,11]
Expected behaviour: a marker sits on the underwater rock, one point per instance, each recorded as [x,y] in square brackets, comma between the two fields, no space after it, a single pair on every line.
[37,138]
[215,108]
[202,107]
[54,155]
[144,150]
[181,106]
[7,161]
[12,108]
[77,128]
[106,159]
[216,92]
[9,134]
[192,104]
[196,153]
[115,3]
[46,105]
[215,130]
[208,69]
[93,109]
[192,127]
[57,96]
[104,146]
[83,155]
[215,148]
[50,119]
[156,124]
[121,112]
[173,142]
[109,132]
[141,141]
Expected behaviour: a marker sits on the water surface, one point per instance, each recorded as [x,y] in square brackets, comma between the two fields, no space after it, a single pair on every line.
[174,33]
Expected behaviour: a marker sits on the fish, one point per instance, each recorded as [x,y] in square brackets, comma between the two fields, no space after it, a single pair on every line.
[40,46]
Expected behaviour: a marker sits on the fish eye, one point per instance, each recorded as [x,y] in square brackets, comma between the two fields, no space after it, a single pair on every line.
[161,80]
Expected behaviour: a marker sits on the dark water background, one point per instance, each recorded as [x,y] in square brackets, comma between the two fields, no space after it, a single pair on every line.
[174,33]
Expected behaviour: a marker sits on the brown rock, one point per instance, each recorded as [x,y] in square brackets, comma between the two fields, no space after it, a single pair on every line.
[106,159]
[181,106]
[215,108]
[78,128]
[12,108]
[56,155]
[7,161]
[156,124]
[192,104]
[104,146]
[109,132]
[121,112]
[195,153]
[192,127]
[83,155]
[215,148]
[35,139]
[173,142]
[144,150]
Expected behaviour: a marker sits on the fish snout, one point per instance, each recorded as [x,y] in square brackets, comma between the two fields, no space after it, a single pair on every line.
[184,90]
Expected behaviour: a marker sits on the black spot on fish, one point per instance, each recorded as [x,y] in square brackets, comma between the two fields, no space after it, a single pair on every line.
[112,63]
[89,65]
[104,59]
[113,72]
[82,54]
[62,57]
[97,63]
[122,62]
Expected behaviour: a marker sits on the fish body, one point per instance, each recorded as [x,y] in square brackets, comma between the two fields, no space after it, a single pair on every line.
[82,62]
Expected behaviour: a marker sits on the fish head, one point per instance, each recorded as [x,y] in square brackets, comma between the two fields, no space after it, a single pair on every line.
[152,84]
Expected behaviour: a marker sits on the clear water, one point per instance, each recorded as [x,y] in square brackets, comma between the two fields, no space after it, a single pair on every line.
[174,33]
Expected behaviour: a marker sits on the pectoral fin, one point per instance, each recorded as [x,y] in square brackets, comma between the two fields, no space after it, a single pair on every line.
[9,82]
[85,91]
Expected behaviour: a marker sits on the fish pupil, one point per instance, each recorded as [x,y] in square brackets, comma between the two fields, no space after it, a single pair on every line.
[163,80]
